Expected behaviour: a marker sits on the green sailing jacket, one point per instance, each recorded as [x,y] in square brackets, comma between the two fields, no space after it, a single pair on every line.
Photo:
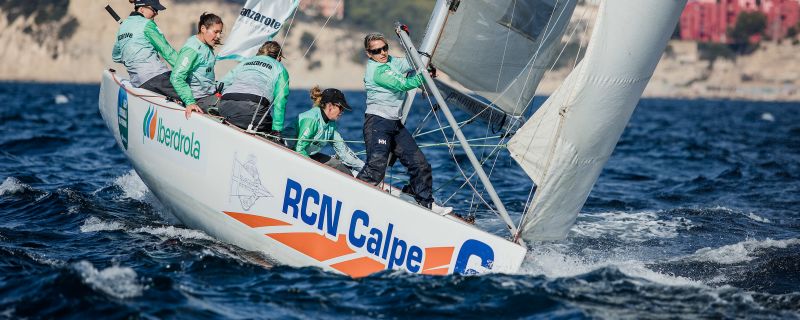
[386,86]
[139,43]
[261,76]
[314,134]
[193,75]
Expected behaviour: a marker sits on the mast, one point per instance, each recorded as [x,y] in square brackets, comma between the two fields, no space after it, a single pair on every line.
[417,60]
[434,29]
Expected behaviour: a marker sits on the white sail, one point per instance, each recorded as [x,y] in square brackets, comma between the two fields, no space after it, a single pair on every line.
[566,143]
[259,21]
[500,49]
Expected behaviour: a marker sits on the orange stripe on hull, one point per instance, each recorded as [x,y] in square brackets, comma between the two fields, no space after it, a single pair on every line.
[254,221]
[437,272]
[314,245]
[360,267]
[437,257]
[153,126]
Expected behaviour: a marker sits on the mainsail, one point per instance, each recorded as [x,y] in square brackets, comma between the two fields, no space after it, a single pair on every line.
[566,143]
[500,49]
[259,21]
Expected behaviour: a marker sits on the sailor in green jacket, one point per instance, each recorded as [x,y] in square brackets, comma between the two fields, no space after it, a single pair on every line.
[258,83]
[138,46]
[384,133]
[193,75]
[317,128]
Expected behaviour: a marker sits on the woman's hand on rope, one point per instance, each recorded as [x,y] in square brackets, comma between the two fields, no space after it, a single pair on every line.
[192,108]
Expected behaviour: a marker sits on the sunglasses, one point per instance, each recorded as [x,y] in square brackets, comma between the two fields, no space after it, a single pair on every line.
[379,50]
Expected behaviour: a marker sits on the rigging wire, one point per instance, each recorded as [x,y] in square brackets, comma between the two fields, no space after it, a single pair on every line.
[338,2]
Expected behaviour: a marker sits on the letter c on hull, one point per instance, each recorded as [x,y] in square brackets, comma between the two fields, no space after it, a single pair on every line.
[474,248]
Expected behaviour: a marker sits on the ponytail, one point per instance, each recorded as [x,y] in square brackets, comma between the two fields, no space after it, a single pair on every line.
[316,96]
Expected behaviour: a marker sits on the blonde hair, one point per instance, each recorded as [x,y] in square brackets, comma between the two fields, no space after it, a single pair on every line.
[316,96]
[270,48]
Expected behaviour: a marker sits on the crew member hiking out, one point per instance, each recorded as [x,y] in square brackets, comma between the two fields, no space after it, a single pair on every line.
[193,75]
[256,84]
[384,134]
[317,128]
[138,46]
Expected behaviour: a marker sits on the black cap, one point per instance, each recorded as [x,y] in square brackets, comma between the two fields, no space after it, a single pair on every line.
[152,3]
[334,96]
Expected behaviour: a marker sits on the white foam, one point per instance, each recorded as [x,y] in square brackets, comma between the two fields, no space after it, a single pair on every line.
[94,224]
[739,252]
[630,226]
[758,218]
[116,281]
[61,99]
[766,116]
[132,186]
[172,232]
[552,263]
[11,186]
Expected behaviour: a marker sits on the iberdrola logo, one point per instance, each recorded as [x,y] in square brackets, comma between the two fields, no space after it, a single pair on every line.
[149,125]
[153,128]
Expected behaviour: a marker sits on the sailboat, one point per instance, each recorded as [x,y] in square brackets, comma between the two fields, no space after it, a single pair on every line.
[248,191]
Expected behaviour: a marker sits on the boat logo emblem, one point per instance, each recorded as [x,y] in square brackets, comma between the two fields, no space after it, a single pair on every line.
[149,123]
[246,182]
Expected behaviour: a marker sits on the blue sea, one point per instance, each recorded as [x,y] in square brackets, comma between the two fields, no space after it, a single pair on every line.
[696,215]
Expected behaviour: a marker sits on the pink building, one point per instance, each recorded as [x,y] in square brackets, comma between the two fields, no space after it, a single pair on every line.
[325,8]
[709,20]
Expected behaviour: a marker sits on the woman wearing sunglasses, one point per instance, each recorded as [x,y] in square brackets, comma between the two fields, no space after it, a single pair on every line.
[139,45]
[384,134]
[317,128]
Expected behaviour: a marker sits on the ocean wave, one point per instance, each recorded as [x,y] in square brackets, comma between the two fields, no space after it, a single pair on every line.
[132,186]
[173,232]
[758,218]
[94,224]
[11,186]
[739,252]
[116,281]
[630,226]
[553,263]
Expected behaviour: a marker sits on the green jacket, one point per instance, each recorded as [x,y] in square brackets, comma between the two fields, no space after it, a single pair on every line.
[314,133]
[193,75]
[386,86]
[138,45]
[261,76]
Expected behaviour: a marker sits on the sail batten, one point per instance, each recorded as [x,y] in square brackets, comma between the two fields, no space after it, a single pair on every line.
[566,143]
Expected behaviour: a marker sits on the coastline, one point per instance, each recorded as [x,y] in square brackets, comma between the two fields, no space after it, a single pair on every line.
[39,53]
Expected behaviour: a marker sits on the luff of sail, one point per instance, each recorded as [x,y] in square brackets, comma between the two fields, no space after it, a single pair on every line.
[500,49]
[566,143]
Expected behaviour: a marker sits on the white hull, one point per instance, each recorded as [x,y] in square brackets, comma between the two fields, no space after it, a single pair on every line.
[260,196]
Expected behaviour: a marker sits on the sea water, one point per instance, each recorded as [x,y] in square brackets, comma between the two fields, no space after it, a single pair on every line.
[695,215]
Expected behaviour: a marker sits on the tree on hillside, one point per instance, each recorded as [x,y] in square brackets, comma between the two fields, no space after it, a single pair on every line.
[380,15]
[748,24]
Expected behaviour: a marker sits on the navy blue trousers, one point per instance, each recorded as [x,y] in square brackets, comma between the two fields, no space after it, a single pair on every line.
[384,137]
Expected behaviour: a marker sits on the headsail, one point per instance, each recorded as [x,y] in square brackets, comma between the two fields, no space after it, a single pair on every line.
[566,143]
[500,49]
[258,22]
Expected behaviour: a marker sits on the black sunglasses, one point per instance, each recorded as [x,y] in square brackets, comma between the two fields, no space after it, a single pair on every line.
[379,50]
